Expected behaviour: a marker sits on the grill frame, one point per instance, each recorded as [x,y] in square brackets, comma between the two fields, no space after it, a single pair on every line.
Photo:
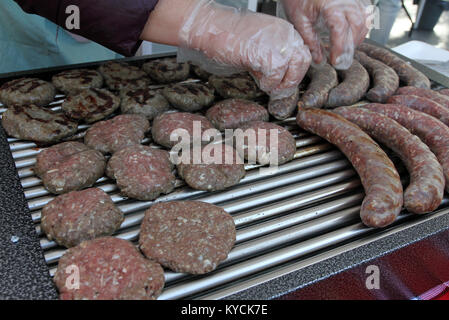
[280,279]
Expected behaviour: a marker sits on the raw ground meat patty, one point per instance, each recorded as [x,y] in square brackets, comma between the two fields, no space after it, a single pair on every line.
[119,76]
[187,236]
[215,172]
[74,81]
[166,70]
[78,216]
[69,166]
[91,105]
[37,124]
[142,172]
[239,86]
[166,123]
[110,136]
[233,113]
[25,91]
[286,143]
[109,269]
[147,102]
[189,96]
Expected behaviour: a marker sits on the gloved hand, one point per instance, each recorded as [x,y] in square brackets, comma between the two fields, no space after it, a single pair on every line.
[268,47]
[345,20]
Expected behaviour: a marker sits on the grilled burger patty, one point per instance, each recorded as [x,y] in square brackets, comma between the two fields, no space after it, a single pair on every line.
[189,96]
[74,81]
[26,91]
[30,122]
[147,102]
[166,70]
[91,105]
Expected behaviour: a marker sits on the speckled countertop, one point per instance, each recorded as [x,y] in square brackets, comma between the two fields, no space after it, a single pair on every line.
[23,271]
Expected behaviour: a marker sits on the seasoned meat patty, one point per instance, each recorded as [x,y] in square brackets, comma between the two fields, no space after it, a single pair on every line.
[119,76]
[166,125]
[200,73]
[187,236]
[147,102]
[69,166]
[77,216]
[112,135]
[263,149]
[239,86]
[91,105]
[166,70]
[30,122]
[74,81]
[220,168]
[108,269]
[142,172]
[189,96]
[233,113]
[26,91]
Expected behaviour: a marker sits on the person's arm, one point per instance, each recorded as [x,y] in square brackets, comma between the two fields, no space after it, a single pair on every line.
[115,24]
[268,47]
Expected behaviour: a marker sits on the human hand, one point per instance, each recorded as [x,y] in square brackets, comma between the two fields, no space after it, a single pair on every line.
[268,47]
[345,20]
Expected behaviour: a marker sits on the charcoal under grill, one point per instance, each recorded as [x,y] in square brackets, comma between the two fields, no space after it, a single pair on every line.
[305,212]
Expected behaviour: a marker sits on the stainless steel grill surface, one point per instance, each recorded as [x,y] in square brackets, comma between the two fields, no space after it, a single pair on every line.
[283,218]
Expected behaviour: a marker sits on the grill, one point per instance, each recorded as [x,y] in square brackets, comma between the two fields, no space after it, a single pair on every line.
[307,211]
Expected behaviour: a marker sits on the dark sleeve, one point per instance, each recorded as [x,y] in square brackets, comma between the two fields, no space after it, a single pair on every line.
[115,24]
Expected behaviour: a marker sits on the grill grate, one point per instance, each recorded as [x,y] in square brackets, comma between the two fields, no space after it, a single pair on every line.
[308,205]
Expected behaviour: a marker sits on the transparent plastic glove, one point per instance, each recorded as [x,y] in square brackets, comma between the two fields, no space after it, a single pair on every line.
[223,38]
[344,23]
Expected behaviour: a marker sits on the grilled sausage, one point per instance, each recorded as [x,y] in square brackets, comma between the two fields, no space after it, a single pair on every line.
[281,109]
[353,87]
[424,105]
[322,80]
[430,130]
[385,80]
[425,93]
[381,181]
[426,189]
[405,71]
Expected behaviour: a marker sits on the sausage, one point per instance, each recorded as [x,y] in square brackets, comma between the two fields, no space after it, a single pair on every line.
[322,80]
[381,181]
[444,91]
[430,130]
[407,73]
[424,105]
[353,87]
[281,109]
[425,93]
[385,79]
[426,189]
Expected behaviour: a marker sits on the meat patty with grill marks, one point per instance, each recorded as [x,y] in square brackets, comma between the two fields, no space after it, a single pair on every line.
[147,102]
[41,125]
[91,105]
[74,81]
[25,91]
[189,96]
